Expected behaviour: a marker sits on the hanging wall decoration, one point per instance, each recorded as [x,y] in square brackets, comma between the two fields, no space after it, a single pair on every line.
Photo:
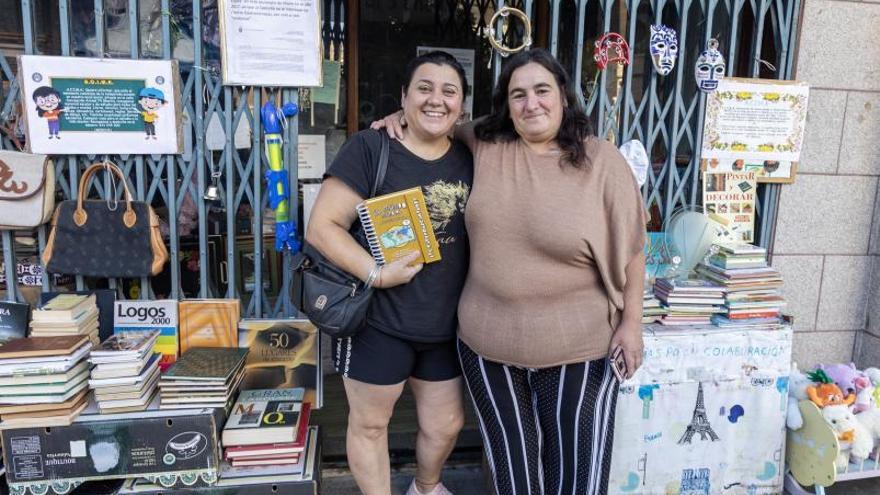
[611,48]
[664,48]
[710,67]
[489,32]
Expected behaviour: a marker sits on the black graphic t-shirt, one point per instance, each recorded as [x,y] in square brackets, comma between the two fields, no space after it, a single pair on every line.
[424,310]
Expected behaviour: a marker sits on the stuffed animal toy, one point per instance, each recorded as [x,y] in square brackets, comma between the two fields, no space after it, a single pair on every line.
[825,393]
[865,400]
[797,391]
[870,419]
[856,442]
[873,374]
[846,376]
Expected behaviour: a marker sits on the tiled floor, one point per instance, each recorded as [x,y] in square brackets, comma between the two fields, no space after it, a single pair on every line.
[460,480]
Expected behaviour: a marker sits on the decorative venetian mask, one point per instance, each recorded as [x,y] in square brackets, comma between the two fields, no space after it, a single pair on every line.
[710,68]
[664,48]
[611,47]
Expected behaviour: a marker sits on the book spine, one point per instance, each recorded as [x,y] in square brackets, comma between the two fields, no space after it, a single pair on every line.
[370,233]
[422,224]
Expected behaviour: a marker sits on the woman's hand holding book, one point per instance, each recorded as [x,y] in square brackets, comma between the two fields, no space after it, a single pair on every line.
[399,271]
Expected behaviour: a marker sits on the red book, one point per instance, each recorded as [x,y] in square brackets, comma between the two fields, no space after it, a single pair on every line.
[275,449]
[757,314]
[266,461]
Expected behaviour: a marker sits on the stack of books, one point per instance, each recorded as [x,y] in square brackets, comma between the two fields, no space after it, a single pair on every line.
[202,377]
[689,302]
[65,315]
[267,428]
[43,380]
[652,310]
[752,288]
[126,372]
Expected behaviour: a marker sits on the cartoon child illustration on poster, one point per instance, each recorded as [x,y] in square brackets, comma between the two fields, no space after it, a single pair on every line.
[149,101]
[49,107]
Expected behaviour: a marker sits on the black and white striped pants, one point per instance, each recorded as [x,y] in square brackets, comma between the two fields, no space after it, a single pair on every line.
[546,431]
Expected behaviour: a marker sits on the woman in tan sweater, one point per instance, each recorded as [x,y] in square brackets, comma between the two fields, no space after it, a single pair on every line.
[557,228]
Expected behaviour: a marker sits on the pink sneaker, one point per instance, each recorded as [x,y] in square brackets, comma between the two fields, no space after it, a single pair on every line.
[439,489]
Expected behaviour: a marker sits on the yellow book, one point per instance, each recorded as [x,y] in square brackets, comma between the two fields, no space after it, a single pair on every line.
[208,323]
[397,224]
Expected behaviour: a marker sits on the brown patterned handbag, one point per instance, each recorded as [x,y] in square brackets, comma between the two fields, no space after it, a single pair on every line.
[105,238]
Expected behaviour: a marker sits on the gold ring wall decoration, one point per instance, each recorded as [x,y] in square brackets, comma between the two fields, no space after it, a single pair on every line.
[489,31]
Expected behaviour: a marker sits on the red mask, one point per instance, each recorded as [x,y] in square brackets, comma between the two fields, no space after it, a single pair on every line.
[611,47]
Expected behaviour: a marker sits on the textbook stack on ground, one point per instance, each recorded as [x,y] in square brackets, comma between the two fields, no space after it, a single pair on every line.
[689,302]
[65,315]
[203,377]
[126,372]
[752,288]
[43,380]
[267,427]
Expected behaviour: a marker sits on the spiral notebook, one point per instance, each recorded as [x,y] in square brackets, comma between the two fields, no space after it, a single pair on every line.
[397,224]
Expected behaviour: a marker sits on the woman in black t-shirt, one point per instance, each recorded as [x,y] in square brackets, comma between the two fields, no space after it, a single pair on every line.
[411,323]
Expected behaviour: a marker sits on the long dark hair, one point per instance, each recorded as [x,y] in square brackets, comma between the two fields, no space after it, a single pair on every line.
[575,127]
[437,57]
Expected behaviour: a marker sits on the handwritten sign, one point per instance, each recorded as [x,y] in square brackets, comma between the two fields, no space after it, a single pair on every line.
[705,411]
[756,125]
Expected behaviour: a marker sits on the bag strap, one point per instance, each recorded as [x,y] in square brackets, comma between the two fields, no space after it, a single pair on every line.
[383,163]
[80,216]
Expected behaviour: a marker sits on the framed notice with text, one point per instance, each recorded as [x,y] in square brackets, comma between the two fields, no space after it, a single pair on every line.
[271,42]
[755,125]
[79,105]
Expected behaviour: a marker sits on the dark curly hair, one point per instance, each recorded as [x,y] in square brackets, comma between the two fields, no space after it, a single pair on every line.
[575,127]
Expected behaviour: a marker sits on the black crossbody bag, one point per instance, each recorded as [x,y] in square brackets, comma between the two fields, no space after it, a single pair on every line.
[331,298]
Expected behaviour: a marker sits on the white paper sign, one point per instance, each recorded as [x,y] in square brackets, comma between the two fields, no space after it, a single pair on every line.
[704,415]
[466,58]
[271,42]
[311,156]
[100,105]
[755,120]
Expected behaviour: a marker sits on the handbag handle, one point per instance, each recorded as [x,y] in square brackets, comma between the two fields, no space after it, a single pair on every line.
[129,218]
[383,163]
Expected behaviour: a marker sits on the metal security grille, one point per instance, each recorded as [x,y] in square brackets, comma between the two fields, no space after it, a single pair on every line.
[631,103]
[666,113]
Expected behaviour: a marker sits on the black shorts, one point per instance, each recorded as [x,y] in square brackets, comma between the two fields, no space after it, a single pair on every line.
[375,357]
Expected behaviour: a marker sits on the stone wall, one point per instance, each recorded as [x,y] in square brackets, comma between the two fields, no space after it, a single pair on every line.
[826,243]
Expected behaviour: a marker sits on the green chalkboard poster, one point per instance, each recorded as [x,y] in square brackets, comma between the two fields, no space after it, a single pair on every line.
[329,91]
[100,104]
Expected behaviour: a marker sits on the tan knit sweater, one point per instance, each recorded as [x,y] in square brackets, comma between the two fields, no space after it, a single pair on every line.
[549,249]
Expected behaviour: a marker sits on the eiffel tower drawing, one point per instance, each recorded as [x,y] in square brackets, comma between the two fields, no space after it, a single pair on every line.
[699,424]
